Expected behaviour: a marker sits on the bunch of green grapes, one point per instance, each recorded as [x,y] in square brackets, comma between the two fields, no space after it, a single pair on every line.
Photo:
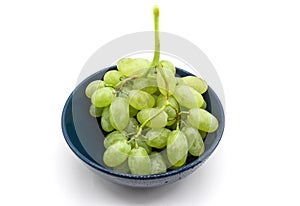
[154,120]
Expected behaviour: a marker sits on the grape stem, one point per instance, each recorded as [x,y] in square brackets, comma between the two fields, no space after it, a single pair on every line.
[171,105]
[149,119]
[177,125]
[183,112]
[124,81]
[165,80]
[155,61]
[121,83]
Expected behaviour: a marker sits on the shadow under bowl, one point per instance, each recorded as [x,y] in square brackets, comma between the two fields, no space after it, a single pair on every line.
[85,137]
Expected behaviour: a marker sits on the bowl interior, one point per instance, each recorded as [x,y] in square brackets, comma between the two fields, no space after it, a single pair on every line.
[85,137]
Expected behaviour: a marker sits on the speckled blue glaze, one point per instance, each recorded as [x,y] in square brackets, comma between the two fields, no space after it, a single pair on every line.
[85,138]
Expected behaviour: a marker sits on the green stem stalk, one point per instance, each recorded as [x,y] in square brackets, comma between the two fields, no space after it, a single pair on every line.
[155,64]
[184,112]
[150,118]
[155,61]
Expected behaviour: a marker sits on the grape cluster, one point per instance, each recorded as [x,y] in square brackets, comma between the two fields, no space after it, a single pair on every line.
[154,119]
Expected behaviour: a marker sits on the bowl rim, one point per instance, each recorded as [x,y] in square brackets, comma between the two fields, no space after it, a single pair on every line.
[108,171]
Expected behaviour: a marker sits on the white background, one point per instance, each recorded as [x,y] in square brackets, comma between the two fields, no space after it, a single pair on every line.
[255,48]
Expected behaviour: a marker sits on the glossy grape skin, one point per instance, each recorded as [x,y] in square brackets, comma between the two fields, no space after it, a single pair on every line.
[124,89]
[131,67]
[105,122]
[119,113]
[112,138]
[158,164]
[95,111]
[203,106]
[93,86]
[147,84]
[158,121]
[168,65]
[181,162]
[112,77]
[132,111]
[102,97]
[157,138]
[195,82]
[188,97]
[195,142]
[171,111]
[203,120]
[132,126]
[166,81]
[142,143]
[165,158]
[150,90]
[191,134]
[140,99]
[116,154]
[123,167]
[177,148]
[139,161]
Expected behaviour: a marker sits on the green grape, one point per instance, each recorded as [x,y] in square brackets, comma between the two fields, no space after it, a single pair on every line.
[177,147]
[203,134]
[157,138]
[123,167]
[203,120]
[195,82]
[116,154]
[139,161]
[202,149]
[171,111]
[177,80]
[158,164]
[188,97]
[159,121]
[180,162]
[165,158]
[203,106]
[132,111]
[148,85]
[155,99]
[141,143]
[140,99]
[191,134]
[113,137]
[103,97]
[124,89]
[119,113]
[197,147]
[131,67]
[195,142]
[166,81]
[173,126]
[157,93]
[105,122]
[112,77]
[132,126]
[93,86]
[171,122]
[150,90]
[95,111]
[168,65]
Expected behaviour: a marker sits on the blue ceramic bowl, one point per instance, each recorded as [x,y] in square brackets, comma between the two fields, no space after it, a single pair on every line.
[85,137]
